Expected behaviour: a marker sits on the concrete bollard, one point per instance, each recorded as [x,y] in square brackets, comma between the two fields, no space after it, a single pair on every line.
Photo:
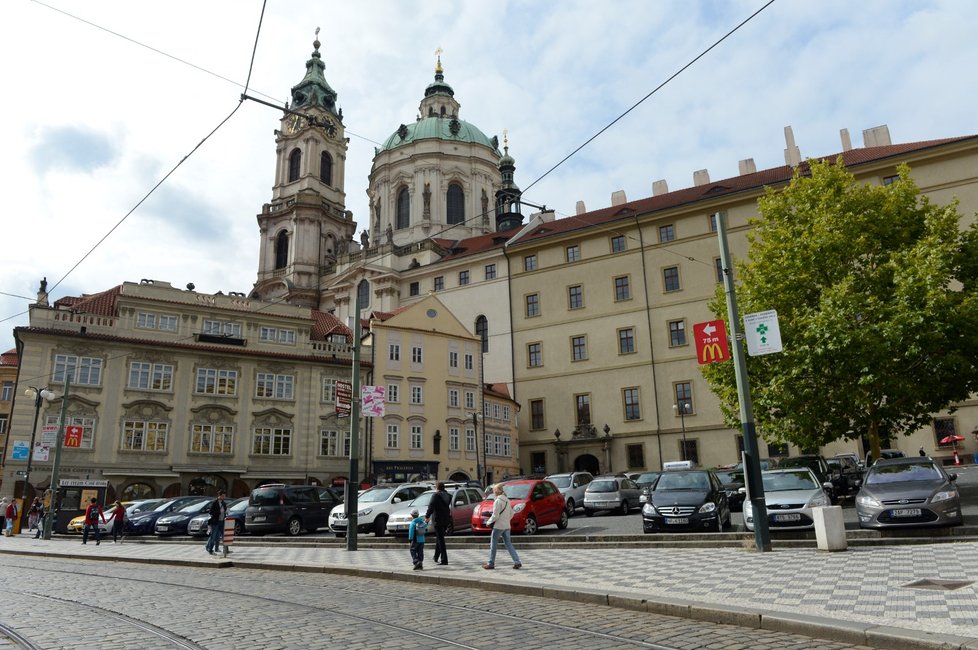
[830,528]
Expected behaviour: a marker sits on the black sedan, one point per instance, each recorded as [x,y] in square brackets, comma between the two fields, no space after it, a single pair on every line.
[145,522]
[686,501]
[175,523]
[731,481]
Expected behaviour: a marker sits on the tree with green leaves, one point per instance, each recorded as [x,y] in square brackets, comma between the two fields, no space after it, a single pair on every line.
[876,290]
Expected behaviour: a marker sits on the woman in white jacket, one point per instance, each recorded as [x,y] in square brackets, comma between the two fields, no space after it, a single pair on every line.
[502,514]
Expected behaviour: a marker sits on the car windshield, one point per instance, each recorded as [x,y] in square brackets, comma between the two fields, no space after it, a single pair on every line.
[423,500]
[606,485]
[163,507]
[143,506]
[239,506]
[683,481]
[730,477]
[900,472]
[517,490]
[376,495]
[560,481]
[646,478]
[193,505]
[786,481]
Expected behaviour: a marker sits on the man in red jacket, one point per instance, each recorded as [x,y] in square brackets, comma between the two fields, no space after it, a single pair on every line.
[92,514]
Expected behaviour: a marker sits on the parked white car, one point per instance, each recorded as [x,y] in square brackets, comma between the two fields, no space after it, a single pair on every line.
[572,485]
[374,507]
[464,500]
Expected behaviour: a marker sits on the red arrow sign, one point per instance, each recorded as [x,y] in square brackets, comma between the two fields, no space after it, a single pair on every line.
[711,342]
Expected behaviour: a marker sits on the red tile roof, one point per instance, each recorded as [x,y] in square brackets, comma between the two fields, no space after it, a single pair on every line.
[325,324]
[9,358]
[96,304]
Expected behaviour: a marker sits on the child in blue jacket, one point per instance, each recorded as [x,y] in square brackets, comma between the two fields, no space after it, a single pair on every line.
[416,533]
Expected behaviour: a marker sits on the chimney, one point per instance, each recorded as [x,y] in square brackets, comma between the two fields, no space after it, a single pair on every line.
[701,177]
[618,197]
[878,136]
[846,140]
[747,166]
[660,187]
[792,155]
[580,208]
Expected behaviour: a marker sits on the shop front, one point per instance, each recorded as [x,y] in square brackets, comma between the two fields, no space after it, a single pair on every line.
[404,471]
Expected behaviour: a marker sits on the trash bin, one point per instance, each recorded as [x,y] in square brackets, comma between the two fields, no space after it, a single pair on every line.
[830,528]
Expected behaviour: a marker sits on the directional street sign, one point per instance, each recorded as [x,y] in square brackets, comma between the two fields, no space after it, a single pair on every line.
[762,332]
[711,342]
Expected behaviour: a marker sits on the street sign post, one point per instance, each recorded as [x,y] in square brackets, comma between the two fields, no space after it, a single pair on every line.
[711,342]
[762,332]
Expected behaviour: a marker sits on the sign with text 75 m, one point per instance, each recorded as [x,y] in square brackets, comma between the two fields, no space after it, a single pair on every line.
[711,342]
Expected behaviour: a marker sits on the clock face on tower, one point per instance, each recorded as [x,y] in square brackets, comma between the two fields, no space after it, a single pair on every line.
[294,123]
[329,126]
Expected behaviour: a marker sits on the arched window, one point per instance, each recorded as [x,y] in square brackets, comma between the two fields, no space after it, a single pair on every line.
[207,485]
[282,250]
[456,204]
[482,331]
[135,491]
[294,159]
[403,208]
[326,168]
[363,294]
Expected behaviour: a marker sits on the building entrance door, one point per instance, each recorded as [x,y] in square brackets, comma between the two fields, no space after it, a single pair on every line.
[587,463]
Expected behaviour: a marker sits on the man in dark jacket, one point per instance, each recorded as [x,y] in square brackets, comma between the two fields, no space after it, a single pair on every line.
[218,511]
[440,509]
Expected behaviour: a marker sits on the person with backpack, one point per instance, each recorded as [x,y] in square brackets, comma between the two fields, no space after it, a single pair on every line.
[92,514]
[416,533]
[440,509]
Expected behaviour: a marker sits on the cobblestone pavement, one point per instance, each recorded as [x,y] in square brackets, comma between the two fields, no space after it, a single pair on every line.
[76,603]
[864,593]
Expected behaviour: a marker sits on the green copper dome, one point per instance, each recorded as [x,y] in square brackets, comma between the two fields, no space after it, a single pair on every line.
[438,128]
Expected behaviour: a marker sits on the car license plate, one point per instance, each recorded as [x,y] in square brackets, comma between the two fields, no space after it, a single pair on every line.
[788,517]
[163,528]
[677,520]
[906,512]
[258,518]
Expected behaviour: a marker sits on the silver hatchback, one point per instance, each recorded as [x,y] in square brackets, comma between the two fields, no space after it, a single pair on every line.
[908,492]
[611,493]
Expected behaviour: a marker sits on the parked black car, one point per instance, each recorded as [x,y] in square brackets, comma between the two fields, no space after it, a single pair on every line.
[144,523]
[175,522]
[731,480]
[287,509]
[686,501]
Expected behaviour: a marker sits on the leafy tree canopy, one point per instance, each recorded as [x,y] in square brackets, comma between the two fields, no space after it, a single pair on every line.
[876,291]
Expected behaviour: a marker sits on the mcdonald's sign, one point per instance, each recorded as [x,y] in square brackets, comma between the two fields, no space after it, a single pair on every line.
[711,342]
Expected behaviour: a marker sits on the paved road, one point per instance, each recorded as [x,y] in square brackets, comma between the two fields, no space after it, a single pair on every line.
[79,603]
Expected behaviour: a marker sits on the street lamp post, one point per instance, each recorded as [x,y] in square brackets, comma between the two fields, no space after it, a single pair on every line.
[683,409]
[40,395]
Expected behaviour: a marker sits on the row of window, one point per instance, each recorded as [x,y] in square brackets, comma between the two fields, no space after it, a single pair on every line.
[626,343]
[454,205]
[494,444]
[325,166]
[210,381]
[168,323]
[622,290]
[417,356]
[630,401]
[464,278]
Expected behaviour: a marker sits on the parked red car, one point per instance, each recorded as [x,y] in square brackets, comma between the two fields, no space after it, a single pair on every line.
[535,503]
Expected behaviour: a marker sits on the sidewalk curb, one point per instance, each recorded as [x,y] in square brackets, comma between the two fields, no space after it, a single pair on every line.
[818,627]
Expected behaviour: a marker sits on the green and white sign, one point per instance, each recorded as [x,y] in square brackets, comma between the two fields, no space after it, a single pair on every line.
[762,332]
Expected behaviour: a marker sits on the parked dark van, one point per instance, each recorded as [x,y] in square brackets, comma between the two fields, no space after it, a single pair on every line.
[290,509]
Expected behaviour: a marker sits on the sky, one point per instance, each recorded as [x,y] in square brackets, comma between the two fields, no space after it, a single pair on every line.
[104,98]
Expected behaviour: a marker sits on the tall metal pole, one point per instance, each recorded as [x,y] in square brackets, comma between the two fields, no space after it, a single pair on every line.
[353,482]
[38,400]
[56,468]
[755,486]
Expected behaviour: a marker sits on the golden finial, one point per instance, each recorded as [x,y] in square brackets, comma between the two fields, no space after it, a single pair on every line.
[438,68]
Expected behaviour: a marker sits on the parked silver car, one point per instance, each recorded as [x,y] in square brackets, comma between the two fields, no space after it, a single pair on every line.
[908,492]
[572,485]
[464,500]
[611,493]
[789,496]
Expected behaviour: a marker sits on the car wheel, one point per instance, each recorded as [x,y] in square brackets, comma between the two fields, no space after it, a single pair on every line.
[588,512]
[570,507]
[624,507]
[238,528]
[294,527]
[380,526]
[530,527]
[562,522]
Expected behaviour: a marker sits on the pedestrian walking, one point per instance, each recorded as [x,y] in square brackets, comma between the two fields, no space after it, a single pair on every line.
[92,514]
[10,515]
[416,533]
[117,515]
[440,512]
[34,513]
[922,452]
[502,515]
[219,511]
[40,521]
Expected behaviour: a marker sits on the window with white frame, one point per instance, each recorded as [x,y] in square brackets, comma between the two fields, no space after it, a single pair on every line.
[150,376]
[573,253]
[222,328]
[463,278]
[146,321]
[469,399]
[469,361]
[394,352]
[633,410]
[211,438]
[469,439]
[168,322]
[618,244]
[507,446]
[417,437]
[393,436]
[277,335]
[272,441]
[530,263]
[214,381]
[329,390]
[4,418]
[334,443]
[273,386]
[393,393]
[7,393]
[454,439]
[453,360]
[453,398]
[143,435]
[416,354]
[87,425]
[86,371]
[579,348]
[417,395]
